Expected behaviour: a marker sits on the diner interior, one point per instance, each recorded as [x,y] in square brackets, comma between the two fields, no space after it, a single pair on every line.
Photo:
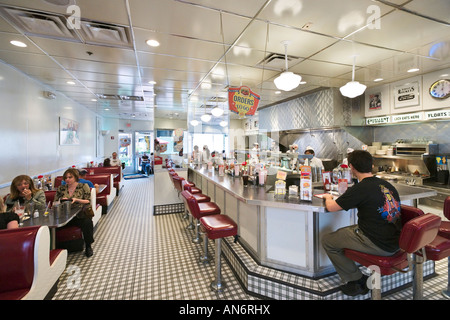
[136,77]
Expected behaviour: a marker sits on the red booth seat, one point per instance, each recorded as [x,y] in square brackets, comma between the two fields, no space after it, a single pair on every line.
[106,197]
[28,268]
[116,170]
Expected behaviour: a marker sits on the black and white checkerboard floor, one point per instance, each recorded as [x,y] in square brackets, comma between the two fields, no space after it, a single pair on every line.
[139,256]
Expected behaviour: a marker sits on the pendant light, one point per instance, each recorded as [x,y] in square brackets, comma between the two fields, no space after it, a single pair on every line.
[353,88]
[287,80]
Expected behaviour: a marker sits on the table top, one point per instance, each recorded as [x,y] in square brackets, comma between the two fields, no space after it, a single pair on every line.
[53,220]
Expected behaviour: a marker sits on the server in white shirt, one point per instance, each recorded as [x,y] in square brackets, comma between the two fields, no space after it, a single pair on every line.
[314,162]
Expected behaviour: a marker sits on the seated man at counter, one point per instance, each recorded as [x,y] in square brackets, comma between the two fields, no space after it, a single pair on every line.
[379,222]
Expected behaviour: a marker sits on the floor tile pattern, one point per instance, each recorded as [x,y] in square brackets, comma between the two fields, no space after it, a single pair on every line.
[141,256]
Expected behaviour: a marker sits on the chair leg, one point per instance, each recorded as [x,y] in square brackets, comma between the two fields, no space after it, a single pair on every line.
[217,284]
[418,277]
[206,257]
[197,238]
[446,293]
[191,223]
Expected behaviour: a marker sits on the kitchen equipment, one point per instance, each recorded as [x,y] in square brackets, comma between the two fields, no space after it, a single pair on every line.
[405,149]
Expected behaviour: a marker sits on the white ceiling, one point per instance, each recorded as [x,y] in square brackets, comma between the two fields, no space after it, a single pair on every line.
[208,45]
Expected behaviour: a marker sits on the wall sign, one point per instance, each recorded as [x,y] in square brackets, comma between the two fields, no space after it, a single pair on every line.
[407,117]
[438,114]
[243,101]
[406,95]
[378,120]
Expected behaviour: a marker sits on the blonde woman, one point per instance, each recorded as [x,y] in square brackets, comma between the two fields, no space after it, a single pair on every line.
[23,190]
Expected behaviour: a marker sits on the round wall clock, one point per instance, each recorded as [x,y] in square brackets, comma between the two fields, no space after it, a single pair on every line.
[440,89]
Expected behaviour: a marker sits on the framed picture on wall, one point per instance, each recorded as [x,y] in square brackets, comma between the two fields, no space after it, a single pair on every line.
[406,95]
[68,132]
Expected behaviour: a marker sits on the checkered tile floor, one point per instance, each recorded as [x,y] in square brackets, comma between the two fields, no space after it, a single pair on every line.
[139,256]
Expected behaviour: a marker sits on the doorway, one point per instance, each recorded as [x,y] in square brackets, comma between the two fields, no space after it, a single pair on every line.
[132,146]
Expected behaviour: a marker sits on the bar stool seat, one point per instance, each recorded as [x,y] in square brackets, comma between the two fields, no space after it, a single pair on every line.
[198,210]
[189,186]
[415,235]
[217,227]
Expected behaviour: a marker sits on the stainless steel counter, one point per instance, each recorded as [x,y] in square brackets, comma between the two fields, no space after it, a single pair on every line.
[283,237]
[259,195]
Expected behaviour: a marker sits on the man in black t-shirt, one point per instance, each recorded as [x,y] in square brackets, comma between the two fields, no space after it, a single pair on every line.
[379,222]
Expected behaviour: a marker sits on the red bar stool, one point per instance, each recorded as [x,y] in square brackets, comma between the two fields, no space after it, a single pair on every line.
[416,234]
[190,186]
[198,210]
[444,230]
[440,247]
[217,227]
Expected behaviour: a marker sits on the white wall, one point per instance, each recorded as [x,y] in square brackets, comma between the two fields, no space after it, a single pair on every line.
[29,127]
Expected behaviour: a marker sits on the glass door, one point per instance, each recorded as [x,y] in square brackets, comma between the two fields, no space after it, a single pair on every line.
[144,146]
[126,151]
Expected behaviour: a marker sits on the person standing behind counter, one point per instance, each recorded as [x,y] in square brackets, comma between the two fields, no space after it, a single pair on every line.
[22,189]
[206,154]
[379,222]
[314,162]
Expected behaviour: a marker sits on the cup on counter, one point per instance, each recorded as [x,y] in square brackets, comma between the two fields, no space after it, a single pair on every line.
[245,180]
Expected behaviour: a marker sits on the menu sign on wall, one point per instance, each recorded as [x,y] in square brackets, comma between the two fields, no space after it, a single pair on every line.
[243,101]
[406,95]
[407,117]
[438,114]
[377,120]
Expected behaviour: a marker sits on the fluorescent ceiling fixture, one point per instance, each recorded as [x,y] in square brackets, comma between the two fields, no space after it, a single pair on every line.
[217,112]
[378,79]
[18,43]
[205,117]
[223,123]
[194,122]
[152,43]
[413,70]
[287,80]
[277,92]
[70,82]
[353,88]
[93,100]
[152,82]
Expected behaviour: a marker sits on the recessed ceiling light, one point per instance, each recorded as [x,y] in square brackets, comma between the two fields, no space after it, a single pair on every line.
[18,43]
[302,82]
[152,82]
[70,82]
[152,43]
[413,70]
[378,79]
[93,100]
[277,92]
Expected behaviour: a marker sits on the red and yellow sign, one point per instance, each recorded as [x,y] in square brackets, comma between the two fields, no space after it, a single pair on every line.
[243,101]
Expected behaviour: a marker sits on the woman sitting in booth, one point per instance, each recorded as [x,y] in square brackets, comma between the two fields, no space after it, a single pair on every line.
[22,190]
[78,193]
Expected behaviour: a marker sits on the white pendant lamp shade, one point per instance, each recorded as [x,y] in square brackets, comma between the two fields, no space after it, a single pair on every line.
[205,117]
[287,80]
[223,123]
[217,112]
[194,123]
[353,88]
